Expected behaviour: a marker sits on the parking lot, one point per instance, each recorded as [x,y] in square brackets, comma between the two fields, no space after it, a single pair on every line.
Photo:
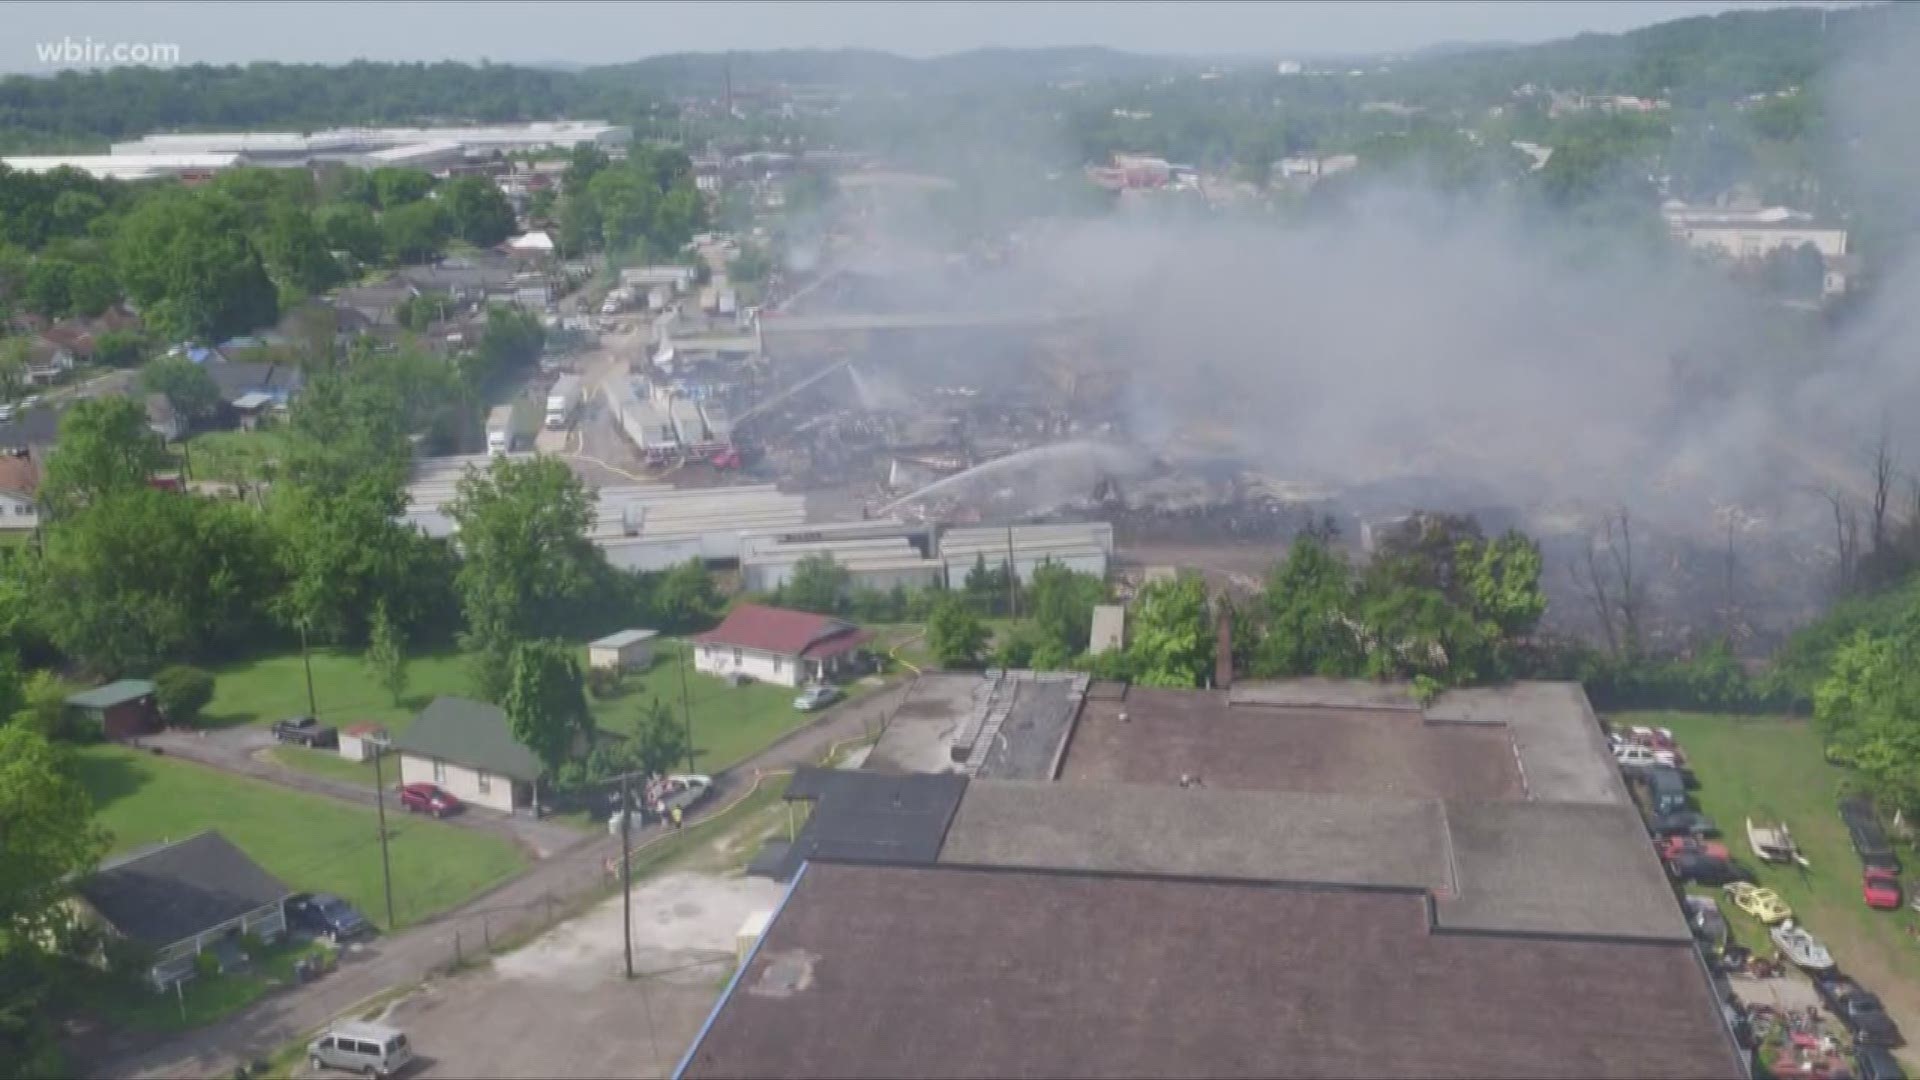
[561,1006]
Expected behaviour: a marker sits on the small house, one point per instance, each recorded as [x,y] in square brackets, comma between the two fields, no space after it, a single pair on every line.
[628,650]
[124,710]
[777,645]
[467,748]
[359,742]
[19,492]
[183,898]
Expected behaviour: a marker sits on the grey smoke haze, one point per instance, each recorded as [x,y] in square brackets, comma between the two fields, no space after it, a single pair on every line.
[1413,337]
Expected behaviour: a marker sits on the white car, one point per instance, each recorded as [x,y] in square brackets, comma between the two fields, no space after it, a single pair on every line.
[1640,757]
[816,697]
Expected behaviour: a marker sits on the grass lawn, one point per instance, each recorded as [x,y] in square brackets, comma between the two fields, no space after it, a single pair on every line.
[1766,766]
[311,843]
[204,999]
[729,723]
[234,456]
[266,689]
[329,764]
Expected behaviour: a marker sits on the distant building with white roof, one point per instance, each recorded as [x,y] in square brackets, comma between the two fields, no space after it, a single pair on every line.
[1748,234]
[150,167]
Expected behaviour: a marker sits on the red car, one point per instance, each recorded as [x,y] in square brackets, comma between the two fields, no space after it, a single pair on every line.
[1880,889]
[1673,847]
[428,799]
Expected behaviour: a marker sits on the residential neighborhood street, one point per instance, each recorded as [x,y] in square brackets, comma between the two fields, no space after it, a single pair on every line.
[530,902]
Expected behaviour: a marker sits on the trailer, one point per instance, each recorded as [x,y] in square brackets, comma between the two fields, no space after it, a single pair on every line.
[500,430]
[561,401]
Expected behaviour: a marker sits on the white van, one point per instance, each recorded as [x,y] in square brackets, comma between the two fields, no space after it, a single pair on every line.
[368,1049]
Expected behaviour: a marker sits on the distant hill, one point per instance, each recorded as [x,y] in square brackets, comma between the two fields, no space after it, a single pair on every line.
[706,74]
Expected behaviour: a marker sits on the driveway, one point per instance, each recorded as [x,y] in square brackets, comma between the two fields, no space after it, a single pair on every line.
[528,903]
[238,750]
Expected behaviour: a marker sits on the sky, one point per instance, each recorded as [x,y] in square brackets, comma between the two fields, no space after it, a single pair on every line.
[597,33]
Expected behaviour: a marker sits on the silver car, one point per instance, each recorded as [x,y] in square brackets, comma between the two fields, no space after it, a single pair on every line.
[368,1049]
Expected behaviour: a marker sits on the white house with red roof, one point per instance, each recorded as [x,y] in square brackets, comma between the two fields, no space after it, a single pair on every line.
[776,645]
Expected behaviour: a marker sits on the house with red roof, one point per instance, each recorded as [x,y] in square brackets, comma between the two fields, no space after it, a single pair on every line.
[777,645]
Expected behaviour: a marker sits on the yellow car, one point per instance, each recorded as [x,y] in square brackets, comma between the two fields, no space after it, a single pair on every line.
[1762,904]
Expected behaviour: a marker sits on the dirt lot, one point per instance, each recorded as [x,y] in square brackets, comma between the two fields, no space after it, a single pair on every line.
[561,1006]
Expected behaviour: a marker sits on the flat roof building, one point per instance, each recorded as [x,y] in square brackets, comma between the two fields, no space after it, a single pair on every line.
[1304,878]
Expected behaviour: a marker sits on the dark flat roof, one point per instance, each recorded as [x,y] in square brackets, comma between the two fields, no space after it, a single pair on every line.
[167,894]
[1358,750]
[919,971]
[869,817]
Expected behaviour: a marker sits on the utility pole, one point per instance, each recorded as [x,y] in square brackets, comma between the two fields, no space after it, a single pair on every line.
[686,700]
[626,872]
[312,709]
[1013,579]
[380,807]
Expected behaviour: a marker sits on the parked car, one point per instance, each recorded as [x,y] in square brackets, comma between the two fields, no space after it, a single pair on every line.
[368,1049]
[1762,904]
[306,731]
[1857,1008]
[326,915]
[816,697]
[1683,823]
[1880,888]
[1868,838]
[425,798]
[1666,788]
[1709,926]
[1872,1062]
[1706,870]
[1658,738]
[1673,847]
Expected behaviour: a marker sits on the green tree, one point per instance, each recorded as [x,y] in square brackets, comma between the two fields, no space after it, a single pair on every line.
[625,203]
[529,569]
[51,839]
[986,587]
[92,289]
[1307,607]
[395,188]
[104,448]
[351,228]
[48,288]
[955,635]
[182,692]
[43,705]
[817,584]
[118,348]
[660,740]
[13,366]
[1172,636]
[414,232]
[186,258]
[545,701]
[1061,603]
[479,211]
[685,598]
[386,654]
[186,386]
[296,253]
[141,576]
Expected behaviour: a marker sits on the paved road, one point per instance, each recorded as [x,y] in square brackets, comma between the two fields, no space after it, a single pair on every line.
[235,749]
[523,904]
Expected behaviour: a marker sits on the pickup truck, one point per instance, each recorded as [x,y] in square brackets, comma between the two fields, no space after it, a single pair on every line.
[306,731]
[1858,1009]
[1868,838]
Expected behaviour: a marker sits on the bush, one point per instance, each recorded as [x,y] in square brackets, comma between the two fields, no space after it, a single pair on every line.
[182,692]
[604,682]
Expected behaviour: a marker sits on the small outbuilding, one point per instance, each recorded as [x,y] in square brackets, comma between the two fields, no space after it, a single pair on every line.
[359,742]
[183,898]
[124,710]
[627,650]
[1109,629]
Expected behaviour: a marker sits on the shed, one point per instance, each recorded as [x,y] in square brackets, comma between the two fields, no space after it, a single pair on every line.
[623,651]
[359,742]
[179,899]
[124,709]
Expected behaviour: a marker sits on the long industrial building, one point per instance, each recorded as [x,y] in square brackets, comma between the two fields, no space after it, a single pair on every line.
[351,145]
[198,166]
[879,555]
